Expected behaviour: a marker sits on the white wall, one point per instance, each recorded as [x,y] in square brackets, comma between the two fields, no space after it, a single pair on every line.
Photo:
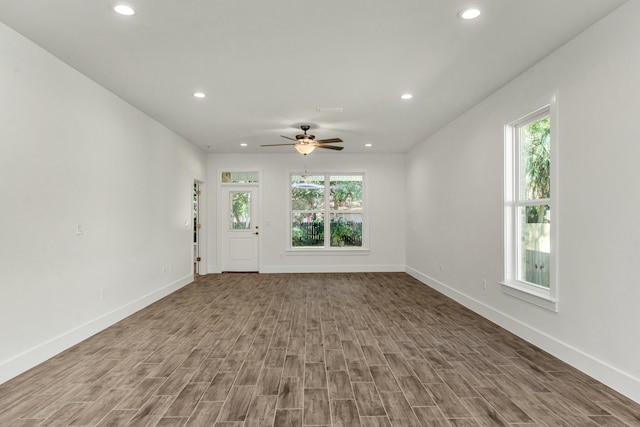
[72,153]
[455,190]
[385,209]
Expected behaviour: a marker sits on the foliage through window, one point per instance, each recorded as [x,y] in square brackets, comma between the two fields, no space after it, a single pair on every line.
[240,215]
[326,211]
[528,202]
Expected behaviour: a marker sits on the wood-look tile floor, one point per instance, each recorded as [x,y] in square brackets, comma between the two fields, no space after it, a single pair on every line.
[287,350]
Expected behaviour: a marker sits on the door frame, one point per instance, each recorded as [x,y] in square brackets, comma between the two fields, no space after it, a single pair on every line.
[202,266]
[220,212]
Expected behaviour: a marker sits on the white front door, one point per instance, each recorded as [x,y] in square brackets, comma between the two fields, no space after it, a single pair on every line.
[240,230]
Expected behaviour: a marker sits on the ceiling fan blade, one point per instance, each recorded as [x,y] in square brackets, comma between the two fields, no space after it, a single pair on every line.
[330,147]
[274,145]
[328,141]
[293,139]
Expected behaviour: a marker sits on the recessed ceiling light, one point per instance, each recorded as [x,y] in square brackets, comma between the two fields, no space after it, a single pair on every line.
[199,95]
[407,96]
[243,144]
[368,145]
[123,9]
[469,13]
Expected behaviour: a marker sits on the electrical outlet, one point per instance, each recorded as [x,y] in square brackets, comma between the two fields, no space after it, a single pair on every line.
[101,293]
[441,268]
[484,284]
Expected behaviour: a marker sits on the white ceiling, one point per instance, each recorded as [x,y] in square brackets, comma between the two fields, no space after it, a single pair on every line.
[267,66]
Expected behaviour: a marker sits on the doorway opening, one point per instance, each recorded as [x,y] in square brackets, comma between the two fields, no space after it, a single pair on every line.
[196,228]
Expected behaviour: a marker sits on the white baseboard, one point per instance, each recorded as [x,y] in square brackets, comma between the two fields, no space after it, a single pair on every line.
[22,362]
[603,372]
[213,269]
[332,268]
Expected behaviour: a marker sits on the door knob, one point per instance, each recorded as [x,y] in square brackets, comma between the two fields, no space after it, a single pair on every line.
[256,233]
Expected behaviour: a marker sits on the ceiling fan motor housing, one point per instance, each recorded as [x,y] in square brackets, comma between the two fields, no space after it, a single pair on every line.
[305,136]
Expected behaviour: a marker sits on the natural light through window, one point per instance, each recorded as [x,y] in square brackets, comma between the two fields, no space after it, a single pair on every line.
[529,258]
[327,211]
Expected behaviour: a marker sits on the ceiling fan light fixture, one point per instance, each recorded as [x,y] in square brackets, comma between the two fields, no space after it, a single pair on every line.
[304,148]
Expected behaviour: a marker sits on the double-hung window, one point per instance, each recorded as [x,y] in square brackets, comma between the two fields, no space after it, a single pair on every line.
[327,211]
[529,210]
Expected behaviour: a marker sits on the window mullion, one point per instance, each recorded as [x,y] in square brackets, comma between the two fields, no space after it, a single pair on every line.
[533,202]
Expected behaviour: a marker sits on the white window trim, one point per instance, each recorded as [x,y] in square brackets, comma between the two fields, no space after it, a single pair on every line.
[537,295]
[330,250]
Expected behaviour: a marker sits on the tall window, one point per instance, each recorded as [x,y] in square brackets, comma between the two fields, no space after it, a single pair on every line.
[529,205]
[327,211]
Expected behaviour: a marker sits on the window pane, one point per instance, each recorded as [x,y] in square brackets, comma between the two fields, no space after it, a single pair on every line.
[240,210]
[535,245]
[307,192]
[534,140]
[307,229]
[239,177]
[346,229]
[346,192]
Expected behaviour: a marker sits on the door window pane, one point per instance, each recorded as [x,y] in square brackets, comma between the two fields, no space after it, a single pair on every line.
[240,210]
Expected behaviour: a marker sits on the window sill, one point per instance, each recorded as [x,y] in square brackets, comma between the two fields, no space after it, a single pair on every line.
[532,296]
[336,251]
